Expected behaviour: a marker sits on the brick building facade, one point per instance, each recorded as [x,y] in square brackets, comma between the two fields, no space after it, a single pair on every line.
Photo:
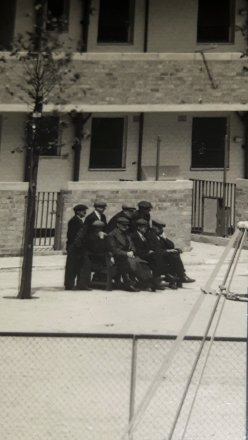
[155,78]
[150,71]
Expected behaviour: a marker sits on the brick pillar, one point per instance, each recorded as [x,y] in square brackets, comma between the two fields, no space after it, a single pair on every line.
[12,211]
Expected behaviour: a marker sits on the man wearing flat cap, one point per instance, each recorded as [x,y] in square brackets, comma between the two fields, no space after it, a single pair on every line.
[143,211]
[127,211]
[134,272]
[166,248]
[76,229]
[98,213]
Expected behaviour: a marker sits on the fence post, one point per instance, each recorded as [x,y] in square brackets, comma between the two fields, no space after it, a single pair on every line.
[133,381]
[58,222]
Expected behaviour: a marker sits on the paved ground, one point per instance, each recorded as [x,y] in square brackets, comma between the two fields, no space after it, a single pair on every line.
[162,312]
[74,388]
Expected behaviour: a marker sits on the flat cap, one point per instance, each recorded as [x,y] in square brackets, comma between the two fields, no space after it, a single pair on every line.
[142,222]
[128,206]
[123,220]
[99,202]
[79,207]
[144,204]
[156,222]
[98,224]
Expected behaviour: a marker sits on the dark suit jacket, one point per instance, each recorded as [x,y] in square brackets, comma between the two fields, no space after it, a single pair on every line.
[141,246]
[92,217]
[120,243]
[157,243]
[74,225]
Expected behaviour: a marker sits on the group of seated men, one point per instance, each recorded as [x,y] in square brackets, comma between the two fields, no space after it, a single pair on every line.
[141,257]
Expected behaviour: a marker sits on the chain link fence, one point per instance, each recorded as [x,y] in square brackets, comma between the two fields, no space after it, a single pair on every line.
[85,387]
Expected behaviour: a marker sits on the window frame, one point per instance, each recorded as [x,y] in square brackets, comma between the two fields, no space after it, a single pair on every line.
[130,39]
[200,168]
[124,144]
[231,37]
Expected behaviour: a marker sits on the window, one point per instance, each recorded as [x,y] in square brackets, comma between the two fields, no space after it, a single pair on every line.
[48,135]
[107,141]
[215,21]
[7,23]
[116,21]
[57,15]
[208,142]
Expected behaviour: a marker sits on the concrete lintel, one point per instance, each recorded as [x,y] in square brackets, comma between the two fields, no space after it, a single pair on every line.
[128,185]
[210,52]
[14,186]
[131,108]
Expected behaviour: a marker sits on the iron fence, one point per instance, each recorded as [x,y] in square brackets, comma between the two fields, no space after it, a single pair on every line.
[208,189]
[89,386]
[46,218]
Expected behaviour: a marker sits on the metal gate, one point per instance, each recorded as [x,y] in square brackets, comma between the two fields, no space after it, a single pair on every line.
[46,219]
[208,193]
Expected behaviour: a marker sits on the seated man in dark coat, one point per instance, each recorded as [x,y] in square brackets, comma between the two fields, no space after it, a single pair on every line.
[76,228]
[97,250]
[161,244]
[134,271]
[127,211]
[144,251]
[97,214]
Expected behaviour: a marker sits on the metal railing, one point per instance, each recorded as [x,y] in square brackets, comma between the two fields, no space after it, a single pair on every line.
[45,218]
[88,386]
[209,189]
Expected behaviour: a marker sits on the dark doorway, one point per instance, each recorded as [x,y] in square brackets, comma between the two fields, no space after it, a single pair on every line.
[107,141]
[215,21]
[208,142]
[116,21]
[7,23]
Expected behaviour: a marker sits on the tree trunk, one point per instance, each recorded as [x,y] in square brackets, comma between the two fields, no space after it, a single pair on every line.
[25,287]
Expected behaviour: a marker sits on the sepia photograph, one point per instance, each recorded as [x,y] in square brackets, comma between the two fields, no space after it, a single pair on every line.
[124,219]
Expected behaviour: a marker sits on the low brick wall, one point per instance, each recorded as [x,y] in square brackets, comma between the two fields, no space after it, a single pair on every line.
[241,205]
[12,205]
[171,201]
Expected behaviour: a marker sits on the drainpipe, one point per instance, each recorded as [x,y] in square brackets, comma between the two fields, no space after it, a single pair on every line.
[140,146]
[78,122]
[147,7]
[86,6]
[245,120]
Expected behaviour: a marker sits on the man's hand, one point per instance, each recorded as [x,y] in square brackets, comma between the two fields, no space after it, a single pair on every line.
[130,254]
[172,251]
[101,234]
[151,252]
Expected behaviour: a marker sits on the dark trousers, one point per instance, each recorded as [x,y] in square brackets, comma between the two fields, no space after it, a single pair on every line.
[72,269]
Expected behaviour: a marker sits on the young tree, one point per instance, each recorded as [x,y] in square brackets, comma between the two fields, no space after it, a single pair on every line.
[45,71]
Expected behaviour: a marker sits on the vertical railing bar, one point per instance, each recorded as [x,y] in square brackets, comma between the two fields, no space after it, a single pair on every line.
[46,217]
[133,377]
[41,217]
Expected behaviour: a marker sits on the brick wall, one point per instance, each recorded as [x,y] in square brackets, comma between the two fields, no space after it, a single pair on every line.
[12,203]
[171,201]
[241,212]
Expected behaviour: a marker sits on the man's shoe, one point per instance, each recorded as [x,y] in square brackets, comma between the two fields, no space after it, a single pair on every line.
[132,289]
[173,286]
[187,279]
[179,284]
[84,288]
[170,278]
